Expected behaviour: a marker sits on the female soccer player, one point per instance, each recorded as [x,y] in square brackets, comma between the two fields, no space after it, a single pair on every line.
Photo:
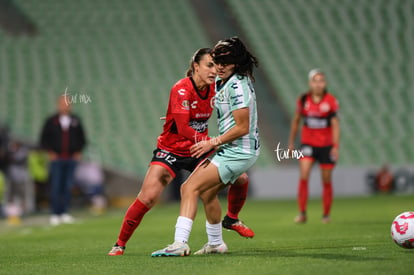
[320,140]
[189,108]
[235,103]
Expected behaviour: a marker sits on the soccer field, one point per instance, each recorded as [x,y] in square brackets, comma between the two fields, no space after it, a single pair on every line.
[356,242]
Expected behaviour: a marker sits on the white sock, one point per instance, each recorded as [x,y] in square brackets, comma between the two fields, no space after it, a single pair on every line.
[183,229]
[214,233]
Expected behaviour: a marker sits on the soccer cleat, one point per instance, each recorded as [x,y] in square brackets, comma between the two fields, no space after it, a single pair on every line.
[117,250]
[175,249]
[238,226]
[212,249]
[301,218]
[326,219]
[66,218]
[54,220]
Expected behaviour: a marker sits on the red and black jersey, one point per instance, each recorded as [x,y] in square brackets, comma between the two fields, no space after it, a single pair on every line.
[187,117]
[317,129]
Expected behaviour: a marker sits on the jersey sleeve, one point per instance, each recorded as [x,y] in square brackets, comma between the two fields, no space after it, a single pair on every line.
[299,105]
[180,100]
[239,96]
[334,107]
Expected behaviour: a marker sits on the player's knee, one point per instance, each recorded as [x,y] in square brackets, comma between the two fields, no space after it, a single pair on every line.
[188,190]
[206,197]
[326,179]
[244,178]
[149,199]
[149,196]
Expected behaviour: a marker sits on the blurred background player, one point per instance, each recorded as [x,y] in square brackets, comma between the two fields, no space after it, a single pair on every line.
[38,165]
[20,191]
[89,178]
[320,140]
[189,108]
[64,139]
[235,103]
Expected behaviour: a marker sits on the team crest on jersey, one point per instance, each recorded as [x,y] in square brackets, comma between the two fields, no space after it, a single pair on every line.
[185,105]
[324,107]
[220,97]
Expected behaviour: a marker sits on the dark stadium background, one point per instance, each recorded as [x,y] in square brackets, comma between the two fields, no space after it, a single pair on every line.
[125,55]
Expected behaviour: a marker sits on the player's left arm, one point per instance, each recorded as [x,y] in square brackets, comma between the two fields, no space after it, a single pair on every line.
[239,101]
[336,132]
[241,128]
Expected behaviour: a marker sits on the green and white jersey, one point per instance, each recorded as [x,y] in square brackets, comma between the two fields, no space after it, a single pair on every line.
[237,93]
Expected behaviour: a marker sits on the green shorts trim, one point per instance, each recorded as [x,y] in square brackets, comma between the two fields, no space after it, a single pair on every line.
[230,166]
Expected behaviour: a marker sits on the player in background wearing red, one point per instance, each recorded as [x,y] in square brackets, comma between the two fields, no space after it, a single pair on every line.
[186,123]
[320,140]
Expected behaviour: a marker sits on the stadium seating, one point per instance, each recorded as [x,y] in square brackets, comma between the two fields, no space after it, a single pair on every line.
[124,55]
[365,47]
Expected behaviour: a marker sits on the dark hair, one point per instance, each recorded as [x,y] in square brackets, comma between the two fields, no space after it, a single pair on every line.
[233,51]
[197,56]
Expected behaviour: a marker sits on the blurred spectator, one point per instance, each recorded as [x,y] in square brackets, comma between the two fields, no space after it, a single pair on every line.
[384,180]
[38,167]
[89,178]
[4,136]
[64,138]
[2,189]
[19,195]
[4,142]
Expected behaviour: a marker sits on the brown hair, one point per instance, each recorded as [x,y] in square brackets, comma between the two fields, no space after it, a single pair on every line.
[197,56]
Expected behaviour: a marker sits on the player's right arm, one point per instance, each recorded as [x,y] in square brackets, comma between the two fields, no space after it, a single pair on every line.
[180,112]
[294,126]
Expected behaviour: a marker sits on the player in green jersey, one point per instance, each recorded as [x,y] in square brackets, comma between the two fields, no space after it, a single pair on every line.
[237,148]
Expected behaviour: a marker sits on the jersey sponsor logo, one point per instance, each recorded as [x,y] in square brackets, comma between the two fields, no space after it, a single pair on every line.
[316,123]
[199,126]
[237,103]
[237,99]
[181,91]
[202,115]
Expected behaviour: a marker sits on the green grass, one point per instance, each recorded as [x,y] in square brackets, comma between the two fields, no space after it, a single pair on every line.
[356,242]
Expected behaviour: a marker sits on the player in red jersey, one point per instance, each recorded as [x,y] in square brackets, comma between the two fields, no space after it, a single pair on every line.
[320,140]
[186,123]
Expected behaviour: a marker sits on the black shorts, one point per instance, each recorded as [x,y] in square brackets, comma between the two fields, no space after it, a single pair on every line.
[174,163]
[320,154]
